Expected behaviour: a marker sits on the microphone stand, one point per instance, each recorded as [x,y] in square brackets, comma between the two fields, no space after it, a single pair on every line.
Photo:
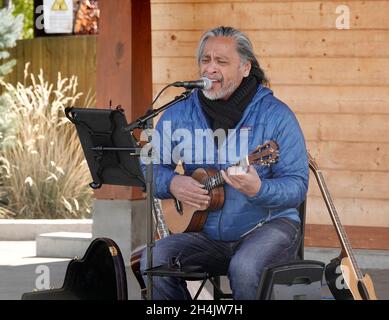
[140,123]
[145,122]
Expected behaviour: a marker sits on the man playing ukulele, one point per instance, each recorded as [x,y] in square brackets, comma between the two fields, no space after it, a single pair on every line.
[259,223]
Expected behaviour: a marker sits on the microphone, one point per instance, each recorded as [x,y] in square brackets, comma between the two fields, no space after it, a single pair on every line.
[203,83]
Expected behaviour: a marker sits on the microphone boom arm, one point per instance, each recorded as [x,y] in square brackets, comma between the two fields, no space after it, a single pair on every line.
[141,122]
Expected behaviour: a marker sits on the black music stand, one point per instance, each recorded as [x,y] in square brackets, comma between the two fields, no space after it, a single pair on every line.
[112,155]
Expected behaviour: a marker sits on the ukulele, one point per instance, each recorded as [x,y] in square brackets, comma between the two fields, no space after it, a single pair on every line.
[359,286]
[185,218]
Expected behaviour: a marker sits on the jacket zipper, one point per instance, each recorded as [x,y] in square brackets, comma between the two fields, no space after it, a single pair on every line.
[258,225]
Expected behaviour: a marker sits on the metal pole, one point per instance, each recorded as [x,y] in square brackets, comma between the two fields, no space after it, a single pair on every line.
[149,219]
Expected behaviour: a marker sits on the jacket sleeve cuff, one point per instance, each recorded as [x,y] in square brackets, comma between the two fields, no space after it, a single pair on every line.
[262,193]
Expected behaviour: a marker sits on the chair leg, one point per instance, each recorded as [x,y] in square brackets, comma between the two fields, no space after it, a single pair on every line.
[200,288]
[217,292]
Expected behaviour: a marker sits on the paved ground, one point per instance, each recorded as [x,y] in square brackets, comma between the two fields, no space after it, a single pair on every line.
[21,271]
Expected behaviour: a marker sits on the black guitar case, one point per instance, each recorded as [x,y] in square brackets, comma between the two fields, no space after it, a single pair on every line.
[99,275]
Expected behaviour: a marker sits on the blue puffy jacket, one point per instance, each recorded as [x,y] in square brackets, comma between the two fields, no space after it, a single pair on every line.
[284,184]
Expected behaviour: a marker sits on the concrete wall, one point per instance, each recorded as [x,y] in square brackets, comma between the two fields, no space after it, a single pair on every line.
[29,229]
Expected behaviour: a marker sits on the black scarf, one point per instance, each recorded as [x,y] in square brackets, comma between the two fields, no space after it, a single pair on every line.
[226,114]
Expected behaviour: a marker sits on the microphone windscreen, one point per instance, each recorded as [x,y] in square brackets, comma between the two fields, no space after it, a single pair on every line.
[207,83]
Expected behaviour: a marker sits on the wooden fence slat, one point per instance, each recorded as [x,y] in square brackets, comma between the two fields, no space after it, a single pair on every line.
[268,15]
[319,99]
[334,99]
[351,211]
[354,184]
[345,127]
[284,43]
[70,55]
[303,71]
[359,237]
[153,2]
[353,156]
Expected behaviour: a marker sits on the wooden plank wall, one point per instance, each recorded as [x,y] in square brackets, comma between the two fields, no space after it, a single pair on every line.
[70,55]
[336,81]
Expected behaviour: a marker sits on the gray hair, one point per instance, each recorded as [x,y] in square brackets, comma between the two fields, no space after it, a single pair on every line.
[243,47]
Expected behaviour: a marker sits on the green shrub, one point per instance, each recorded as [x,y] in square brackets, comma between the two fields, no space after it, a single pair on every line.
[10,31]
[26,8]
[43,171]
[11,28]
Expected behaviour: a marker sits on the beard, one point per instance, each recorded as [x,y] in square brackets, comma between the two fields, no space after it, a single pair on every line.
[224,91]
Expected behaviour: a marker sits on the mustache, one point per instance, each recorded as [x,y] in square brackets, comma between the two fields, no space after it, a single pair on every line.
[220,78]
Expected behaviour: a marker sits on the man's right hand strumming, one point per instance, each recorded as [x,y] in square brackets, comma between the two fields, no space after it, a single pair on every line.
[190,192]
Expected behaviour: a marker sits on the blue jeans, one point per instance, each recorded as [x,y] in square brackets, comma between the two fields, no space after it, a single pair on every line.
[276,241]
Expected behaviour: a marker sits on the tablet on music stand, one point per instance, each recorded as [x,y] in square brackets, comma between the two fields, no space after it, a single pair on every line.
[112,154]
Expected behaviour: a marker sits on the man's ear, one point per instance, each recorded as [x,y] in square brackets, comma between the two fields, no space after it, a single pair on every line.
[246,69]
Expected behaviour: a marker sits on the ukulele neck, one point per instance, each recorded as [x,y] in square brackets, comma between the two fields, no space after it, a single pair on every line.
[218,180]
